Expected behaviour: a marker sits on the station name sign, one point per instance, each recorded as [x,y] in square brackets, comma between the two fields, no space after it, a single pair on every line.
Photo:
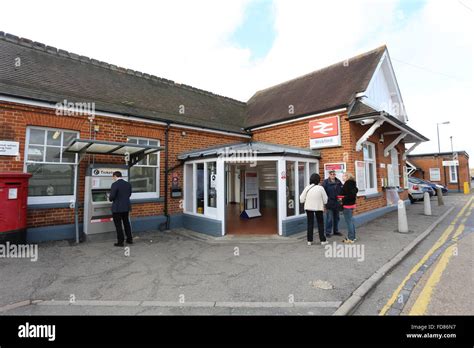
[450,163]
[324,132]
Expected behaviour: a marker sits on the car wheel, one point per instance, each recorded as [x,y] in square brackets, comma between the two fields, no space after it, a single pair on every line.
[412,200]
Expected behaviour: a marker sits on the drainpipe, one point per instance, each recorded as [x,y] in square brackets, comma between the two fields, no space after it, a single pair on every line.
[166,225]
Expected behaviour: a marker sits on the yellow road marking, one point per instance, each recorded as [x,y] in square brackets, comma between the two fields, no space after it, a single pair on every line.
[458,232]
[423,300]
[438,243]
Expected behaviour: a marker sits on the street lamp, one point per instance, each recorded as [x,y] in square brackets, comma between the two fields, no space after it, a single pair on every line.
[437,128]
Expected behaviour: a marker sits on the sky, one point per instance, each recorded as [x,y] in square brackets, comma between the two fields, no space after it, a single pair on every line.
[237,47]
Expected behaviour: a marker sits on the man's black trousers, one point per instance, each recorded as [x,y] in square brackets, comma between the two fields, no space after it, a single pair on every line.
[120,218]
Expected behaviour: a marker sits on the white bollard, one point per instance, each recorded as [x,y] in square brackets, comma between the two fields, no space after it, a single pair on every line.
[402,217]
[427,203]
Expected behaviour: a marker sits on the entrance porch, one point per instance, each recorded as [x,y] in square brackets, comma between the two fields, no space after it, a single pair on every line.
[246,188]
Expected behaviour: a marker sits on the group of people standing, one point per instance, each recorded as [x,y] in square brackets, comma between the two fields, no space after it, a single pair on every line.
[332,197]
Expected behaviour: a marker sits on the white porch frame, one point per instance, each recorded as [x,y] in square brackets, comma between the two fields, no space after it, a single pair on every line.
[218,213]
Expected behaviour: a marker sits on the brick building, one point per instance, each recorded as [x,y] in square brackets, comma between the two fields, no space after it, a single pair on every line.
[450,169]
[348,116]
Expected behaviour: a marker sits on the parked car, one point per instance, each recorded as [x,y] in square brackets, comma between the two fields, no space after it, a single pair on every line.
[417,189]
[415,192]
[434,186]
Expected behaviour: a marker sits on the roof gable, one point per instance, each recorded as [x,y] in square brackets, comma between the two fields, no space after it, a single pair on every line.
[322,90]
[383,92]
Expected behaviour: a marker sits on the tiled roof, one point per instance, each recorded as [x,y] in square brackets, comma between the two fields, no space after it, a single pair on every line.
[48,74]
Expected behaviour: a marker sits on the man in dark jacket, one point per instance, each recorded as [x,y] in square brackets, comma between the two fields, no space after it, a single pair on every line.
[333,187]
[120,193]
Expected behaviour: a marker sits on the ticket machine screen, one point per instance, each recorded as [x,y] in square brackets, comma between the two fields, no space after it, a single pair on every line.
[100,195]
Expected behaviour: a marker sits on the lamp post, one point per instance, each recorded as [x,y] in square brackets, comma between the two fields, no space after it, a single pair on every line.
[452,151]
[437,128]
[439,151]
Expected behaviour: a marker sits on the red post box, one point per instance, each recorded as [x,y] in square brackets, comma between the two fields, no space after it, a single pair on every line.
[13,206]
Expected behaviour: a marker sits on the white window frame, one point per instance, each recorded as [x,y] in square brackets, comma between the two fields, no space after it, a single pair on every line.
[297,192]
[38,200]
[453,179]
[147,195]
[369,190]
[298,214]
[432,177]
[209,212]
[188,188]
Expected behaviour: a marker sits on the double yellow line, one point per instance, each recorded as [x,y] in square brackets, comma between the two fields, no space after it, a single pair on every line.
[424,298]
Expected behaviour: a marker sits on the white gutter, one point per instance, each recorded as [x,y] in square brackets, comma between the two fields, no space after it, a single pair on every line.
[114,115]
[298,119]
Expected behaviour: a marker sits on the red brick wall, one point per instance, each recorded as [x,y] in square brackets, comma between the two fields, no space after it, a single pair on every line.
[297,134]
[15,118]
[427,162]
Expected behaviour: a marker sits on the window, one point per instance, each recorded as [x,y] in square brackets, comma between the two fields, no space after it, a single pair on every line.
[144,176]
[435,174]
[366,170]
[211,184]
[297,178]
[188,188]
[302,182]
[200,188]
[290,188]
[453,174]
[53,171]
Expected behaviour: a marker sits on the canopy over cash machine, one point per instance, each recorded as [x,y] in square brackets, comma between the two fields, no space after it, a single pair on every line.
[97,212]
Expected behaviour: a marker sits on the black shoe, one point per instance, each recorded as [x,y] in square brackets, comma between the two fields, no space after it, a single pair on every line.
[129,241]
[118,244]
[338,234]
[328,235]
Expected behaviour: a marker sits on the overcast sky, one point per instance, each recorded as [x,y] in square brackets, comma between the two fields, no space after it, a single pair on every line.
[235,48]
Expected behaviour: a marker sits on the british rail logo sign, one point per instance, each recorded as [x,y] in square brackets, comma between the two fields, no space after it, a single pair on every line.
[324,132]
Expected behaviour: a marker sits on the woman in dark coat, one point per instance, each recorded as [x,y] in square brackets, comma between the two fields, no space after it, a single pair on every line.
[349,196]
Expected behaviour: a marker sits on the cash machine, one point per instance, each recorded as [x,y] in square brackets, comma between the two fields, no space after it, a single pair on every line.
[97,207]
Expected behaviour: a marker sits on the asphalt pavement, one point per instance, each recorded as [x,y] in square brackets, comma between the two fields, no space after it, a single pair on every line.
[177,272]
